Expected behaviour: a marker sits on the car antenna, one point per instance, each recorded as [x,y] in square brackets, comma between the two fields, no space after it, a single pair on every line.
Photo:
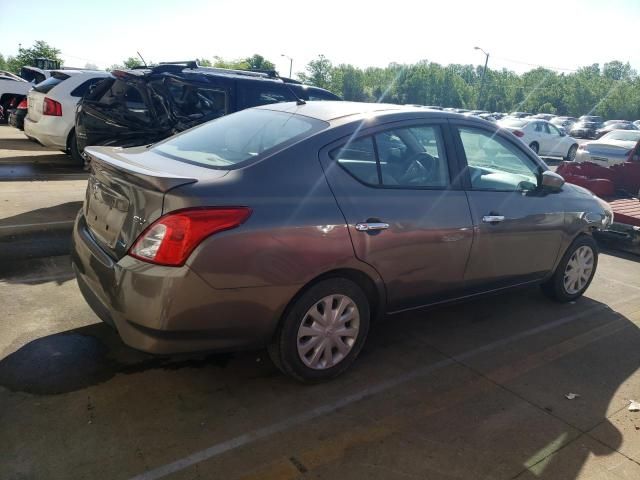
[143,62]
[299,101]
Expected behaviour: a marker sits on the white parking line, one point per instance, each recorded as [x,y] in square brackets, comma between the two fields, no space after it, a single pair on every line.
[255,435]
[43,224]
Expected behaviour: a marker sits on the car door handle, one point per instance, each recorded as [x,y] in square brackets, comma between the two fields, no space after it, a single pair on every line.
[371,226]
[493,218]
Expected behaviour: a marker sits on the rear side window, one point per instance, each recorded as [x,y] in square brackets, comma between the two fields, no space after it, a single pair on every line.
[231,140]
[253,94]
[402,157]
[358,157]
[85,86]
[55,79]
[197,101]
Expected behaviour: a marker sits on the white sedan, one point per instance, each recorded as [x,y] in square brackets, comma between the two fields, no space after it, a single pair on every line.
[611,149]
[542,137]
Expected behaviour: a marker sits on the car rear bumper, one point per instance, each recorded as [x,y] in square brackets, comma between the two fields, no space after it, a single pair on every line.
[165,310]
[49,131]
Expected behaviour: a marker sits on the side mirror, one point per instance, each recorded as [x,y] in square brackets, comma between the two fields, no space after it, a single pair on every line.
[551,181]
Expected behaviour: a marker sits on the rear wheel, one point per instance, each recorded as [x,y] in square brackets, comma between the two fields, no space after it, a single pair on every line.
[571,154]
[323,331]
[535,147]
[75,154]
[575,271]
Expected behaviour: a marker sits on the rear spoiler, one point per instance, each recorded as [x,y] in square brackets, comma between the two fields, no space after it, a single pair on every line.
[105,158]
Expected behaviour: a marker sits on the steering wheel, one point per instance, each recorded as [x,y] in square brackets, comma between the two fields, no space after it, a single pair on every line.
[420,168]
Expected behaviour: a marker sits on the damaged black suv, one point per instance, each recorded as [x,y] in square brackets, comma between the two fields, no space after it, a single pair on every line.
[145,105]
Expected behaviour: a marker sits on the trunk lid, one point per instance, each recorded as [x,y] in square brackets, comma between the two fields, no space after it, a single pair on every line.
[125,192]
[35,104]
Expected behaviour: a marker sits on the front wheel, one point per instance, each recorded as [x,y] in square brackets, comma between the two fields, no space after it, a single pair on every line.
[574,272]
[571,154]
[535,147]
[323,331]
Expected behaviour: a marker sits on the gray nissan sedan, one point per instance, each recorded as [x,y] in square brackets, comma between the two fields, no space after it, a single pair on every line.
[294,226]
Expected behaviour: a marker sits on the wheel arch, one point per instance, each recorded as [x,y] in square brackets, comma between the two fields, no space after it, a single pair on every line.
[372,288]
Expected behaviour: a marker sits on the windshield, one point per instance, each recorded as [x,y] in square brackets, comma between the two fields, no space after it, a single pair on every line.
[623,135]
[228,141]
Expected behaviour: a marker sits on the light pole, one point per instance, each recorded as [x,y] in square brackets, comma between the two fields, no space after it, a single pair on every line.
[290,63]
[484,74]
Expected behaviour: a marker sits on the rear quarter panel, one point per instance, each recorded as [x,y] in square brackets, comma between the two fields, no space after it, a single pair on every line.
[296,231]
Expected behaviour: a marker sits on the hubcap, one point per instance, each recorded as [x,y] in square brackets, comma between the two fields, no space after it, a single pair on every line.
[328,332]
[578,270]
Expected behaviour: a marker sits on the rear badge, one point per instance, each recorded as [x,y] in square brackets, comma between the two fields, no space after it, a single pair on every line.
[139,220]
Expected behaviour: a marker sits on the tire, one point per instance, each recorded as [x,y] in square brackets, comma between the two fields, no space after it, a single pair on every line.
[571,154]
[75,154]
[535,147]
[556,287]
[285,351]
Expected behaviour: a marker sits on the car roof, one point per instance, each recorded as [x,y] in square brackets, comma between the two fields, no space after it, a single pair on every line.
[72,73]
[330,110]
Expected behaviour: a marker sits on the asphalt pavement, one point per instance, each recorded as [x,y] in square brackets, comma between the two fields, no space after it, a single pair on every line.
[476,390]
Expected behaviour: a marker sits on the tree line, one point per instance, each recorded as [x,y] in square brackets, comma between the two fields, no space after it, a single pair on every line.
[611,90]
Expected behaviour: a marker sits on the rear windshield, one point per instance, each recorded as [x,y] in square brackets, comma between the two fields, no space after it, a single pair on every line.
[49,83]
[226,142]
[623,135]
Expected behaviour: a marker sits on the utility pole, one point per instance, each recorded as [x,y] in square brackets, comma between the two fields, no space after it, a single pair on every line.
[290,63]
[484,74]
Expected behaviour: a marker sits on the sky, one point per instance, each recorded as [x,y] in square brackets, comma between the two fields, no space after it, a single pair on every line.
[519,34]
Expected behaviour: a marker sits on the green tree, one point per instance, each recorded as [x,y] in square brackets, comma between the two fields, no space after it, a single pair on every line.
[203,62]
[28,56]
[132,62]
[318,72]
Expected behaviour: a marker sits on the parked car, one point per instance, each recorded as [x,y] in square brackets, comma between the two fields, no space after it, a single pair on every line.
[584,129]
[433,107]
[143,106]
[17,115]
[564,122]
[544,116]
[612,148]
[293,226]
[542,137]
[591,119]
[614,126]
[14,88]
[51,108]
[520,114]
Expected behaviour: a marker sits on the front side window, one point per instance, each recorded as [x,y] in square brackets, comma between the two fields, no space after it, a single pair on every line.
[494,164]
[406,157]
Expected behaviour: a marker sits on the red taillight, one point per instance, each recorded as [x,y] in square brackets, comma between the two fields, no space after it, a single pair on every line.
[51,107]
[23,104]
[171,239]
[518,133]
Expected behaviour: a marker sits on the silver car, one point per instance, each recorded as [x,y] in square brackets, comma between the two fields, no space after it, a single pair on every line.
[611,149]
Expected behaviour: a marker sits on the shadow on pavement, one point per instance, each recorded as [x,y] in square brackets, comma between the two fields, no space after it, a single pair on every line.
[482,433]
